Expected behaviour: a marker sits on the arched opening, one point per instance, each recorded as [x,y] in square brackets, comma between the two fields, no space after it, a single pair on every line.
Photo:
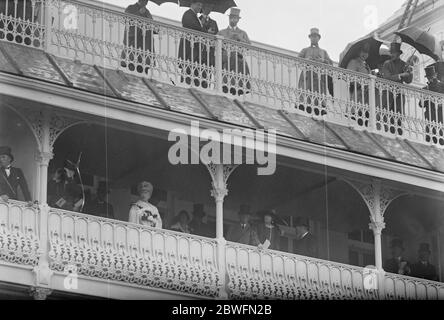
[16,133]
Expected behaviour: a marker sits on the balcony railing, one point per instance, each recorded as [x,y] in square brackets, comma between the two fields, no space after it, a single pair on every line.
[129,254]
[92,34]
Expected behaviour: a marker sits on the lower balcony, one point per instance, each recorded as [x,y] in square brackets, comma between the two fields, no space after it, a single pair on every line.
[86,255]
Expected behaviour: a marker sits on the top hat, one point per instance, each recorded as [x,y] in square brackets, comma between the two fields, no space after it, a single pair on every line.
[144,186]
[198,209]
[395,47]
[430,72]
[397,243]
[424,247]
[314,32]
[301,221]
[235,12]
[244,210]
[6,151]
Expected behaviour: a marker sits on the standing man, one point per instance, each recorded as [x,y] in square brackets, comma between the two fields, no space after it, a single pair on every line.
[199,224]
[100,206]
[398,71]
[305,243]
[397,264]
[209,26]
[235,62]
[312,81]
[243,232]
[11,178]
[134,39]
[431,111]
[189,52]
[423,268]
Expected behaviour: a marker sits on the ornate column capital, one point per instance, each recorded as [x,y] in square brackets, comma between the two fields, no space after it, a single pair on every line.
[44,158]
[219,193]
[377,226]
[39,293]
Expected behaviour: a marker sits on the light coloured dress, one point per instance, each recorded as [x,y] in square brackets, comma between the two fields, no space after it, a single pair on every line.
[146,214]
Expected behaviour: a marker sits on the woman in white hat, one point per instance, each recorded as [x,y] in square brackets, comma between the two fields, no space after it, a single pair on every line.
[142,212]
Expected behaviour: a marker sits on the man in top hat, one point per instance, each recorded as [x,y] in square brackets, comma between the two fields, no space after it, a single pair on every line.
[11,178]
[243,231]
[423,268]
[397,264]
[189,52]
[306,243]
[100,206]
[134,37]
[431,111]
[311,81]
[199,225]
[398,71]
[235,62]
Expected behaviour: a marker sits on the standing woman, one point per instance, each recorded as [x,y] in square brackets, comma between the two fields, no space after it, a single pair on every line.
[268,232]
[142,212]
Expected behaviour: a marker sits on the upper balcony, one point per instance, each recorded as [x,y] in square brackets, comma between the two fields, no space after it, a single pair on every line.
[88,32]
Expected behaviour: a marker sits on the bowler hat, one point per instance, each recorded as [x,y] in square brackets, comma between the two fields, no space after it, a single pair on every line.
[235,12]
[397,243]
[314,32]
[424,247]
[198,210]
[301,221]
[395,47]
[6,151]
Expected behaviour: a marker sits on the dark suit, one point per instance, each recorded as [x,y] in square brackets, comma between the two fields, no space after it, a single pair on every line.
[100,209]
[134,38]
[191,52]
[273,235]
[307,246]
[209,24]
[392,266]
[9,185]
[245,235]
[424,271]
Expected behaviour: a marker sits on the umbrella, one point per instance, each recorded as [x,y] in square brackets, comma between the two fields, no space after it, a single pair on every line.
[353,49]
[220,6]
[421,40]
[159,2]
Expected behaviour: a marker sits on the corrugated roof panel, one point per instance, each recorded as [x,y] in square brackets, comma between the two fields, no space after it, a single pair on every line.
[33,63]
[316,131]
[83,76]
[226,110]
[401,151]
[358,141]
[180,99]
[131,87]
[271,119]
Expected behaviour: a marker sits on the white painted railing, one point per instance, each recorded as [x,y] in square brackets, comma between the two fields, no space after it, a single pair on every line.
[19,235]
[107,249]
[97,35]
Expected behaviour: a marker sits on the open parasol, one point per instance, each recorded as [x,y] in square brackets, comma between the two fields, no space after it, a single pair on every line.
[353,49]
[421,40]
[220,6]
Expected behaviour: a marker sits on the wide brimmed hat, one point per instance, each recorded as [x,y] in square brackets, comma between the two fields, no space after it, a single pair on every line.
[235,12]
[145,186]
[198,210]
[397,243]
[6,151]
[314,32]
[424,247]
[301,221]
[395,47]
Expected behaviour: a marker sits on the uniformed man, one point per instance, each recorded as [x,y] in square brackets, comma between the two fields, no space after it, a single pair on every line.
[11,178]
[311,81]
[235,62]
[423,268]
[398,71]
[431,112]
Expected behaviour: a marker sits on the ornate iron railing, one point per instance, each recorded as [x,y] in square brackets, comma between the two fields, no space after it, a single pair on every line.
[107,249]
[87,31]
